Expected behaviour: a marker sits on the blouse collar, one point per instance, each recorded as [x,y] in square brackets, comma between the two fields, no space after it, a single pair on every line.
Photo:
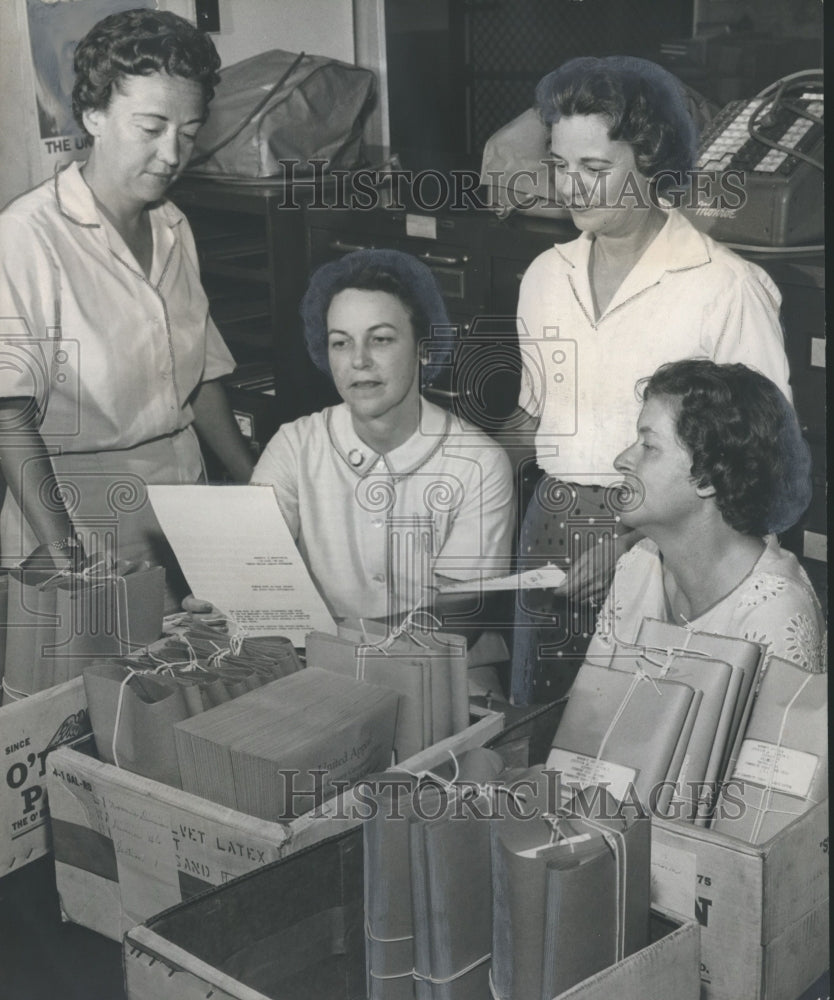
[76,201]
[430,434]
[677,247]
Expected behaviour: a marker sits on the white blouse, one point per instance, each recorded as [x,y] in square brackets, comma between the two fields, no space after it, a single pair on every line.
[774,605]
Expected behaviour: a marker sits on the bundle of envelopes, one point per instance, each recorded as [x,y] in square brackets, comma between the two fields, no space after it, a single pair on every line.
[746,659]
[660,721]
[426,668]
[781,769]
[428,909]
[135,701]
[571,893]
[280,751]
[59,622]
[487,883]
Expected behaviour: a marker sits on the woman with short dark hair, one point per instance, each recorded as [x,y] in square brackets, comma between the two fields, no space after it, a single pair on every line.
[112,359]
[719,466]
[640,286]
[139,43]
[386,492]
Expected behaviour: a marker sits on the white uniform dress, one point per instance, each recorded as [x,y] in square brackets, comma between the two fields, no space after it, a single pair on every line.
[373,529]
[111,356]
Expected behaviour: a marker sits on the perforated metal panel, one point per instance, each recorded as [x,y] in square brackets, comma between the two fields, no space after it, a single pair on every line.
[511,44]
[460,69]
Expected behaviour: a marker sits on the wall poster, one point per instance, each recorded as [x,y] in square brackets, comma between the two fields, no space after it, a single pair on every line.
[55,28]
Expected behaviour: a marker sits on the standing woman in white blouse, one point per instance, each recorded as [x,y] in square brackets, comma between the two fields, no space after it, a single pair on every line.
[639,287]
[110,357]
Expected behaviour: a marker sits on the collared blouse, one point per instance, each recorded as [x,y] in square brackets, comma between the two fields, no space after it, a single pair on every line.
[686,297]
[110,355]
[373,528]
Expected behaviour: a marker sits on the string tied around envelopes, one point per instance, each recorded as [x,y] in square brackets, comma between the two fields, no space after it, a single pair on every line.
[131,673]
[426,775]
[95,576]
[557,835]
[767,792]
[386,642]
[438,981]
[639,676]
[615,840]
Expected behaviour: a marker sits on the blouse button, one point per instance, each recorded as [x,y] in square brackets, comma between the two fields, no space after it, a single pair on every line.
[355,457]
[379,578]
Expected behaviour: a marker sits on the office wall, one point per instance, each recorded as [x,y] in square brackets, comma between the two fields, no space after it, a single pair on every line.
[321,27]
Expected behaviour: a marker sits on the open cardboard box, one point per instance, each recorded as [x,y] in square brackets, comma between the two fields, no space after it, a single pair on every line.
[295,930]
[127,847]
[763,909]
[30,730]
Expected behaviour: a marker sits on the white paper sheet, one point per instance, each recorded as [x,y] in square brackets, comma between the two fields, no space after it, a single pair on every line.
[531,579]
[236,551]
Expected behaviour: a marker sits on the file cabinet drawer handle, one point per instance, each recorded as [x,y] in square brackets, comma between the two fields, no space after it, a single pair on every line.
[343,247]
[431,258]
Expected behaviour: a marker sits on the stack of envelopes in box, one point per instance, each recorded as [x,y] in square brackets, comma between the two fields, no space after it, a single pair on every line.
[499,880]
[59,622]
[427,669]
[781,769]
[571,892]
[660,722]
[135,701]
[280,751]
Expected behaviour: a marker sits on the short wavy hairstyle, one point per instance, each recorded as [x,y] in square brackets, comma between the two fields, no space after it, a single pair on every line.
[744,439]
[392,271]
[644,104]
[138,43]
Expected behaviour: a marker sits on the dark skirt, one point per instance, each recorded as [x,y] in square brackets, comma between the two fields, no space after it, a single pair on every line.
[552,630]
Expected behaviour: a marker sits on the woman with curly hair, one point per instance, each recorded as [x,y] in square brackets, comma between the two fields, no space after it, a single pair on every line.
[640,286]
[719,466]
[386,492]
[112,359]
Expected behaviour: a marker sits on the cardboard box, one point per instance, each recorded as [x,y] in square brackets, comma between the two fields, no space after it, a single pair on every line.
[127,847]
[31,729]
[763,909]
[298,926]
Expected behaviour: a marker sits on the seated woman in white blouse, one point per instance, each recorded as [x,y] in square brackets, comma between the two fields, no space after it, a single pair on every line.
[719,466]
[386,492]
